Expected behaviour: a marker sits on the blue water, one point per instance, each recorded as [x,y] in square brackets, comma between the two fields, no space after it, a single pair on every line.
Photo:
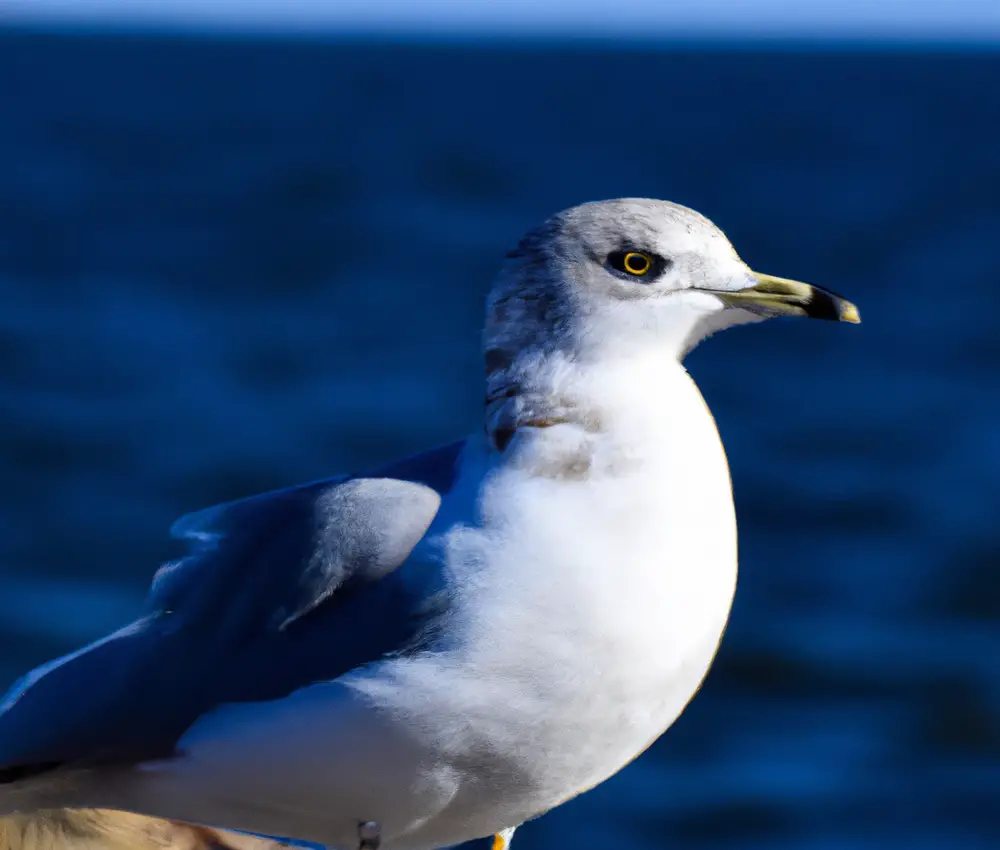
[232,265]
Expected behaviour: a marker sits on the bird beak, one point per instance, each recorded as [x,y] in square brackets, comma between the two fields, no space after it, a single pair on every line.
[778,296]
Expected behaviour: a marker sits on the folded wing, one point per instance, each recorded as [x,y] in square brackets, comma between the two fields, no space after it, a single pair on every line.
[278,591]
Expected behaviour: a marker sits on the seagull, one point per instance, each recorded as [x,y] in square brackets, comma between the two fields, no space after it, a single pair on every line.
[441,649]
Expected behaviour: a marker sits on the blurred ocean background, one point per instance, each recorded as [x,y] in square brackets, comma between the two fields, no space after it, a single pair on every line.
[234,263]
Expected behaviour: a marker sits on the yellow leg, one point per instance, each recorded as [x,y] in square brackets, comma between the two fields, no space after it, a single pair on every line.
[501,841]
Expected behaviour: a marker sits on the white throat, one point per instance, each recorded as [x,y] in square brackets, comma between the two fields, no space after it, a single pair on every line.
[630,396]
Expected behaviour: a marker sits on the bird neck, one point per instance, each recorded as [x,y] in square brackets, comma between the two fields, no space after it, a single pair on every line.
[629,394]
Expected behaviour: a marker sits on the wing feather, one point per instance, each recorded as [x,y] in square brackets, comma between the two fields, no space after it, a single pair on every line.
[277,592]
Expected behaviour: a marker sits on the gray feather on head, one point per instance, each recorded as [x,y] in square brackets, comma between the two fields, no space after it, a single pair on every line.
[556,279]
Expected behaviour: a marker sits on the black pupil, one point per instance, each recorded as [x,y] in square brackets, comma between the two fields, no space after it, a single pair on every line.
[636,263]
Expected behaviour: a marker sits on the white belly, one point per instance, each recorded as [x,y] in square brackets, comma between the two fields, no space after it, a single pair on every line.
[588,618]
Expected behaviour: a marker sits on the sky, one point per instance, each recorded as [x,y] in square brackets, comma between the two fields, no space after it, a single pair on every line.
[947,19]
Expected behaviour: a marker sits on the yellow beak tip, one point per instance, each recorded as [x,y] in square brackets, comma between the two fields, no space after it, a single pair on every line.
[849,313]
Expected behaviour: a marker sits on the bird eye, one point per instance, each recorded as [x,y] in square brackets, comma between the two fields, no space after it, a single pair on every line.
[637,263]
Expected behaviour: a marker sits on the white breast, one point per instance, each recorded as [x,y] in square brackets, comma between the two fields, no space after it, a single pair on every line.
[590,607]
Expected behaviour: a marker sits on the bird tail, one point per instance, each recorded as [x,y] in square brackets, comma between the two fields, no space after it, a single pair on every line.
[103,829]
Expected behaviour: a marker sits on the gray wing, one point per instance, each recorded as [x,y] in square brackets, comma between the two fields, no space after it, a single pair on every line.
[279,591]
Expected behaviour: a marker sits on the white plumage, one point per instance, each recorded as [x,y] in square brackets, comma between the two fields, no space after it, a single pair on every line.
[571,590]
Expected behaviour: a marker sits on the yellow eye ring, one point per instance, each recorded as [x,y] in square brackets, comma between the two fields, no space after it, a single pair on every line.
[637,263]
